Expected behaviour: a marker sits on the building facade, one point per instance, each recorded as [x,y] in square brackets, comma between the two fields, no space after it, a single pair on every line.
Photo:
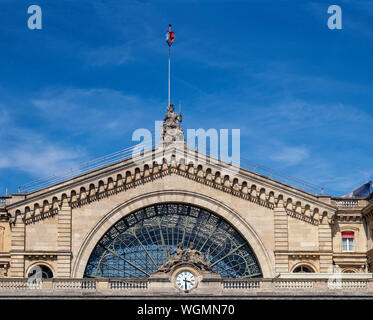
[111,230]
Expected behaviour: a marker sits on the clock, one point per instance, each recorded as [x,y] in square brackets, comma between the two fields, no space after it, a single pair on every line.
[185,280]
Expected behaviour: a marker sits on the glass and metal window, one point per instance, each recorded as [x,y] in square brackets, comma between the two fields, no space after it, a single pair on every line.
[302,269]
[348,242]
[140,243]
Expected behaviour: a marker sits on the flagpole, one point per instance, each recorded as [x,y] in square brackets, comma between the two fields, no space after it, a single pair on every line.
[170,38]
[169,76]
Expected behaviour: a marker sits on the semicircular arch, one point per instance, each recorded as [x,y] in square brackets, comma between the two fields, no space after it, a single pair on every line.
[180,197]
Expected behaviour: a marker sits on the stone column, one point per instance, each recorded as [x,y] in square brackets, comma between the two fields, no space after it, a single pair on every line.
[64,240]
[281,240]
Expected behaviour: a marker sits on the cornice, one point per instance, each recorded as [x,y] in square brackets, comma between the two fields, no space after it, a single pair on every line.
[250,188]
[157,154]
[348,216]
[367,212]
[311,254]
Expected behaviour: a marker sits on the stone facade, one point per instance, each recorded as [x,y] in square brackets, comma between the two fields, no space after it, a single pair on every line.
[287,228]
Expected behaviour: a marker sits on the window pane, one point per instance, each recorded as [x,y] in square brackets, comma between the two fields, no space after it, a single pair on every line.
[344,244]
[351,245]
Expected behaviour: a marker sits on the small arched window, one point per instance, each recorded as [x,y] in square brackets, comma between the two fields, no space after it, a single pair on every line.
[349,271]
[302,269]
[45,271]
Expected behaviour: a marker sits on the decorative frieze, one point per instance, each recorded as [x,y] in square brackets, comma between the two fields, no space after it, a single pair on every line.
[304,255]
[41,256]
[244,190]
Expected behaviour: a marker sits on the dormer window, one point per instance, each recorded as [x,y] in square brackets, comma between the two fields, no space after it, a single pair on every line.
[348,242]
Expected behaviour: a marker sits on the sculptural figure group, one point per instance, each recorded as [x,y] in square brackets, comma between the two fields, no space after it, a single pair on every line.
[190,255]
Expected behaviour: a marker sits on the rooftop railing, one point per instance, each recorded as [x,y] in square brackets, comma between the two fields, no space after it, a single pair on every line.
[349,203]
[128,153]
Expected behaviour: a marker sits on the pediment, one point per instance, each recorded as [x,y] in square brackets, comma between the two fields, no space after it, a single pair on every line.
[155,164]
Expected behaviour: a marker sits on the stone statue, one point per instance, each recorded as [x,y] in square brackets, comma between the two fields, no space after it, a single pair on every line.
[206,261]
[172,260]
[171,118]
[196,257]
[190,253]
[171,130]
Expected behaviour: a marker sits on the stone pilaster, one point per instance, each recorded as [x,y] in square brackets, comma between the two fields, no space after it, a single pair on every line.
[64,241]
[281,240]
[17,260]
[325,246]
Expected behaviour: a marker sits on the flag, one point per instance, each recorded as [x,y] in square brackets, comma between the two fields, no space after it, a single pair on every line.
[170,37]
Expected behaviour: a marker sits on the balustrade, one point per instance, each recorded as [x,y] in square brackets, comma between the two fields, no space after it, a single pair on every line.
[277,286]
[73,284]
[240,284]
[350,203]
[129,284]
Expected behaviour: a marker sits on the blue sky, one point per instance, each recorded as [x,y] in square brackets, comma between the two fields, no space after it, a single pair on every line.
[301,94]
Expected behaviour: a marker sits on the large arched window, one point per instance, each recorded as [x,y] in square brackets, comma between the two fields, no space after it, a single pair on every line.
[139,244]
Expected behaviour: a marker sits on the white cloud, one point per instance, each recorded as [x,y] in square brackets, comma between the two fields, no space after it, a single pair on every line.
[290,156]
[96,110]
[39,160]
[27,150]
[47,141]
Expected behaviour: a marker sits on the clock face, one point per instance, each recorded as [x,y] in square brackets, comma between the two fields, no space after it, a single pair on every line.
[185,280]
